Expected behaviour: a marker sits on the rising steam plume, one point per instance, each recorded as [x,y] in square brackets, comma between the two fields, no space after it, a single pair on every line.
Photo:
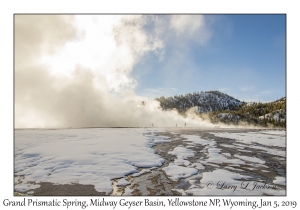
[74,71]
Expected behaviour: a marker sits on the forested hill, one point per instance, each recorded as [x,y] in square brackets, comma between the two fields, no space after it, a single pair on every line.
[254,113]
[220,107]
[210,101]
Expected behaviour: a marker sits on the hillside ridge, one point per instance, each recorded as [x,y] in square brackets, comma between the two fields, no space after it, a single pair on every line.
[220,107]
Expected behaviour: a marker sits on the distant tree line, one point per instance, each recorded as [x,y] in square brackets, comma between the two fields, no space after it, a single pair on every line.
[209,101]
[220,107]
[254,113]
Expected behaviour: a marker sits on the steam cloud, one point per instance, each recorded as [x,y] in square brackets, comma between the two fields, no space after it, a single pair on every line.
[74,71]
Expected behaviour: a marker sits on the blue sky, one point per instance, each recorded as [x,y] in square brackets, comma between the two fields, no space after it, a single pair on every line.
[244,56]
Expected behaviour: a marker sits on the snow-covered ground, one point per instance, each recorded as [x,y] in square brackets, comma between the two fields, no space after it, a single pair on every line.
[98,156]
[84,156]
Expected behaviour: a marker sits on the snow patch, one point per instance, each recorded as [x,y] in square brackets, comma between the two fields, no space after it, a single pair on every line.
[255,137]
[177,172]
[123,182]
[250,159]
[279,180]
[85,156]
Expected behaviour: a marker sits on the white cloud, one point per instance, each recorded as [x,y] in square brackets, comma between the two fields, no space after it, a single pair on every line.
[186,24]
[265,92]
[247,88]
[158,92]
[224,89]
[191,27]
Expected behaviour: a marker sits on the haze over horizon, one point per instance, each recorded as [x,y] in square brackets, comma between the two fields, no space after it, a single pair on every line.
[90,70]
